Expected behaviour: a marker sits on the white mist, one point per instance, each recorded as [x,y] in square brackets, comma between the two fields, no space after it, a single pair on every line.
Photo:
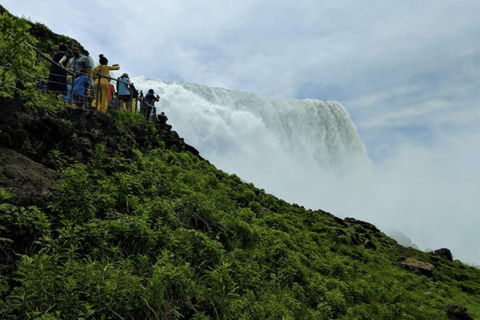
[309,152]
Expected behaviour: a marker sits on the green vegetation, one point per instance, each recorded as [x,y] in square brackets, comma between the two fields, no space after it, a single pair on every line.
[167,235]
[16,56]
[20,65]
[163,234]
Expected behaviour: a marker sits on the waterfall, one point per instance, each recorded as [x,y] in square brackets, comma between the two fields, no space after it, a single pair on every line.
[281,145]
[309,152]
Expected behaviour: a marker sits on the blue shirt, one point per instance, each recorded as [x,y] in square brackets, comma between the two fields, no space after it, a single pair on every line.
[80,85]
[122,86]
[69,89]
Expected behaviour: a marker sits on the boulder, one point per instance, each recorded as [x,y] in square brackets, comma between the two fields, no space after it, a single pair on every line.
[444,253]
[366,225]
[425,268]
[456,311]
[31,182]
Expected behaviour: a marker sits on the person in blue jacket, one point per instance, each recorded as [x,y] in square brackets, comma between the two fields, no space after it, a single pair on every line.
[69,89]
[124,95]
[80,89]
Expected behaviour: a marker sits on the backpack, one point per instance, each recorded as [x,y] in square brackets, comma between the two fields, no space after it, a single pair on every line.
[80,85]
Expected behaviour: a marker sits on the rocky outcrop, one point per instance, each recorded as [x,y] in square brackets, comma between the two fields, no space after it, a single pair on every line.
[425,268]
[444,253]
[74,131]
[365,232]
[31,182]
[368,227]
[457,312]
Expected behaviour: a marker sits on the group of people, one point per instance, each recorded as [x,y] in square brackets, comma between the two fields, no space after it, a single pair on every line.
[76,81]
[68,76]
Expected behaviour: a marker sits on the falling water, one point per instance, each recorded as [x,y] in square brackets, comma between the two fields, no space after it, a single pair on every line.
[309,152]
[299,150]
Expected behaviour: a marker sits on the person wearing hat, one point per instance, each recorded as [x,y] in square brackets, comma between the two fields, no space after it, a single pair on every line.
[149,101]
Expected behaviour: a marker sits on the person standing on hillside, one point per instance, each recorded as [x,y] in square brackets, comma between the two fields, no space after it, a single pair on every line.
[162,118]
[124,95]
[80,89]
[92,63]
[79,62]
[102,97]
[149,102]
[69,89]
[111,96]
[57,80]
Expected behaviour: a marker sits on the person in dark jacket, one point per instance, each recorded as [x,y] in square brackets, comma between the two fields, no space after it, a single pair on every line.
[149,105]
[162,118]
[57,80]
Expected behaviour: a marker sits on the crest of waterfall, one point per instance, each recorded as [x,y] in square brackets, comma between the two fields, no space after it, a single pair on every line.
[228,126]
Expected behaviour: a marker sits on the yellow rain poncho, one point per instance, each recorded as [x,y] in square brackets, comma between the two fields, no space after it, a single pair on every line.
[104,85]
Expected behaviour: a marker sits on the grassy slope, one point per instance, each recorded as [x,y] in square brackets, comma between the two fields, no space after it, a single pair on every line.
[165,234]
[162,234]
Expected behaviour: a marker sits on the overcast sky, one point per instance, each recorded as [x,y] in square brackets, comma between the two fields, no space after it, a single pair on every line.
[408,72]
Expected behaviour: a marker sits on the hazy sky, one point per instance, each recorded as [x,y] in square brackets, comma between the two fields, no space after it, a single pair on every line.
[408,72]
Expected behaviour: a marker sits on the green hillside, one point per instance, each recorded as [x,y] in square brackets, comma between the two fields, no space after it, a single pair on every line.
[106,216]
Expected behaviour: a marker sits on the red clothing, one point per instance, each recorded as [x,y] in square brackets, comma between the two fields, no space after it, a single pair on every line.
[111,92]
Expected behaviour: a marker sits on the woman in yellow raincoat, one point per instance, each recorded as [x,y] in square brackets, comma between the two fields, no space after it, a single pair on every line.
[102,100]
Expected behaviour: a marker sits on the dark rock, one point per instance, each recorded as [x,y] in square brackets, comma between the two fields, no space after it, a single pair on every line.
[8,120]
[370,227]
[357,256]
[111,143]
[296,205]
[370,245]
[461,277]
[339,221]
[74,131]
[444,253]
[5,139]
[31,182]
[355,239]
[456,311]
